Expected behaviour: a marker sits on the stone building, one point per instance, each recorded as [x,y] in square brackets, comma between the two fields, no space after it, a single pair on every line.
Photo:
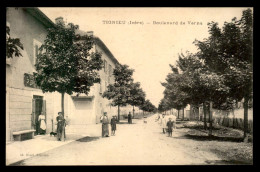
[25,101]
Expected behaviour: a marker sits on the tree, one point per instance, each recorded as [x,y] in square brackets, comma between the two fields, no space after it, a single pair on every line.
[137,95]
[194,84]
[148,106]
[65,64]
[173,95]
[12,45]
[201,84]
[229,53]
[119,92]
[163,105]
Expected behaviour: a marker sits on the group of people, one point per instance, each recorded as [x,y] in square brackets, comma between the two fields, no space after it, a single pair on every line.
[105,125]
[61,124]
[168,123]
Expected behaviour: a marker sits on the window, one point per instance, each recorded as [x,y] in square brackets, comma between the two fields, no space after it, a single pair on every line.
[110,70]
[36,46]
[105,66]
[100,88]
[105,86]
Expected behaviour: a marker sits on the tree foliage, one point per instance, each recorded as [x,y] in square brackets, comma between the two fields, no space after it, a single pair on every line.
[65,63]
[148,106]
[12,45]
[137,95]
[119,92]
[228,53]
[221,72]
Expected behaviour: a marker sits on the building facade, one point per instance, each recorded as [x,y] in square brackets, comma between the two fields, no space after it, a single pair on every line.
[25,101]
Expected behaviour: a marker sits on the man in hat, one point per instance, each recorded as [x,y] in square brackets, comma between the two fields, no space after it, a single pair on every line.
[105,122]
[113,125]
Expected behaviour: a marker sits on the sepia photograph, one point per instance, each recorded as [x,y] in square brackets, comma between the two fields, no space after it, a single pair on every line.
[127,86]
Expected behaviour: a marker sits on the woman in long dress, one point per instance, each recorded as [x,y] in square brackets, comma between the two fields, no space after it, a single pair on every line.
[105,123]
[61,124]
[42,127]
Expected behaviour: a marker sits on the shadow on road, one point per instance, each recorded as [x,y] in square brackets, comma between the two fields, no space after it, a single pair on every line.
[88,139]
[125,123]
[227,162]
[210,138]
[200,127]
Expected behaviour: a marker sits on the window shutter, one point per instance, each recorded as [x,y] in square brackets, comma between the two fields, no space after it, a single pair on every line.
[44,110]
[100,88]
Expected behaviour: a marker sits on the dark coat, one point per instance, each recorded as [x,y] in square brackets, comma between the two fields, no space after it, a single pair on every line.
[113,124]
[60,124]
[170,125]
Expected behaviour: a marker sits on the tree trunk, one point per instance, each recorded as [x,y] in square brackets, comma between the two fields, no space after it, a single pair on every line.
[178,114]
[118,111]
[183,114]
[210,119]
[205,116]
[246,119]
[199,113]
[62,104]
[62,110]
[233,113]
[133,111]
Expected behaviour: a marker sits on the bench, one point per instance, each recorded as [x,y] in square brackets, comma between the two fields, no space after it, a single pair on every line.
[27,134]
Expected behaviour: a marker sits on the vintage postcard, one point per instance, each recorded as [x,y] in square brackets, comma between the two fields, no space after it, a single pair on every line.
[129,86]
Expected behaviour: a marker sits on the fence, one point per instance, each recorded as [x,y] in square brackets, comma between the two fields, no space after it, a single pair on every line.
[237,123]
[139,115]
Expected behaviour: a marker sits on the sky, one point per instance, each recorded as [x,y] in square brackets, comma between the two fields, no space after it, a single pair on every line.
[143,44]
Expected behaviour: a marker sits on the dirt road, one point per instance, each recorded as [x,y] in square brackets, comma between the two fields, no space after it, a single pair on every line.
[134,144]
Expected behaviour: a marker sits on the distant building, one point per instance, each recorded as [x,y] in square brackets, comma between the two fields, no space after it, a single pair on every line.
[25,101]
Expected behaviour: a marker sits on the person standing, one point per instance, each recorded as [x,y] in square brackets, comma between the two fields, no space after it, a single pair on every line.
[113,125]
[163,123]
[60,126]
[105,122]
[42,127]
[170,126]
[129,118]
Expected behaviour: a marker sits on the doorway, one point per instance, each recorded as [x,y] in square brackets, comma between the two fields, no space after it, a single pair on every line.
[37,110]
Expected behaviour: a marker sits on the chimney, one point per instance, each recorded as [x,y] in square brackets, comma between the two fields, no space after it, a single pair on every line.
[59,20]
[90,33]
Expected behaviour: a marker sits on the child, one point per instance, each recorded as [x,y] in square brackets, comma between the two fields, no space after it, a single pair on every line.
[170,126]
[113,125]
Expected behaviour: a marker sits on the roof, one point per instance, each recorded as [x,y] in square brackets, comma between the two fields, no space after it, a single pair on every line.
[102,45]
[40,16]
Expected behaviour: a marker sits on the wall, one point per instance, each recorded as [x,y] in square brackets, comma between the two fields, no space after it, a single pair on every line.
[103,104]
[30,32]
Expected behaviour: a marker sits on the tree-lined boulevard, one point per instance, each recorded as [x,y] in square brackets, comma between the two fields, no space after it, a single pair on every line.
[142,144]
[217,76]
